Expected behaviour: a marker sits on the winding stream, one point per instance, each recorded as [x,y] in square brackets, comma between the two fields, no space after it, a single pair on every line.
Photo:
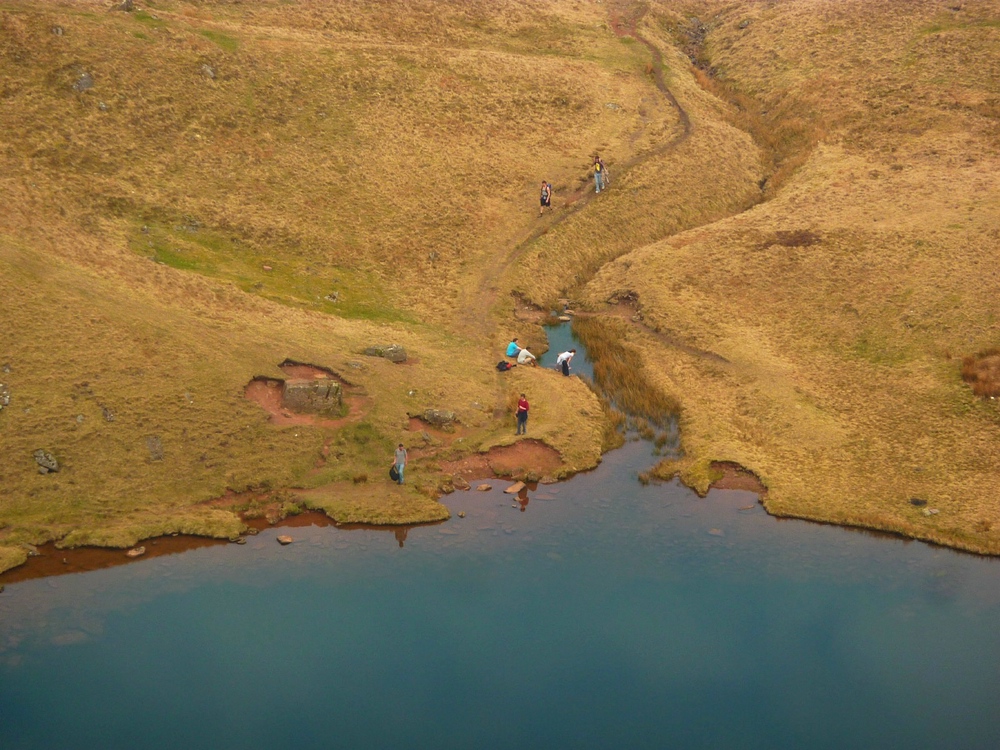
[599,614]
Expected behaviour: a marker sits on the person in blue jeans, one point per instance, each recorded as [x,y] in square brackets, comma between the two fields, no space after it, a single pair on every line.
[598,173]
[400,461]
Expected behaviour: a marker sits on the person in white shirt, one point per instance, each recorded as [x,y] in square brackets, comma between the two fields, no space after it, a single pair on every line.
[563,360]
[524,357]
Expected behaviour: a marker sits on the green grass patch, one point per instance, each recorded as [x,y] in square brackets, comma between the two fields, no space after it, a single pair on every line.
[228,43]
[344,292]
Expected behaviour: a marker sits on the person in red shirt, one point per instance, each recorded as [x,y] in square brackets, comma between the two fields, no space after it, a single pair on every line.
[522,416]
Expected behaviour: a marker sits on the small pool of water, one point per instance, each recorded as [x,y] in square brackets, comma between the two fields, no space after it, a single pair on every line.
[598,614]
[562,339]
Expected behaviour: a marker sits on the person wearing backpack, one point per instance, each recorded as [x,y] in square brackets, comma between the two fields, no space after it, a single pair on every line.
[400,462]
[598,173]
[545,200]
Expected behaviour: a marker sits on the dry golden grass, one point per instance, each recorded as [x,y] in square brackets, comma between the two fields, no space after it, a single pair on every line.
[838,303]
[248,183]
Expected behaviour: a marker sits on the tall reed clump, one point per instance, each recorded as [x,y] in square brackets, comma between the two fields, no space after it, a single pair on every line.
[982,372]
[619,372]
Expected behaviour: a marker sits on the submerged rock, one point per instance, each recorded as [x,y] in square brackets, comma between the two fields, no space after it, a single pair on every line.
[484,487]
[284,540]
[461,483]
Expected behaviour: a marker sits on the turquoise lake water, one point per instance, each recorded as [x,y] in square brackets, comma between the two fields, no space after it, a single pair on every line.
[601,614]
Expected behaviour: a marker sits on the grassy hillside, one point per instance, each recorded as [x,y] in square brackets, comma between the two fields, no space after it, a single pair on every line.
[801,220]
[844,304]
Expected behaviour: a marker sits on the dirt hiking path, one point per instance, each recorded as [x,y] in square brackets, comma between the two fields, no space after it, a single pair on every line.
[624,17]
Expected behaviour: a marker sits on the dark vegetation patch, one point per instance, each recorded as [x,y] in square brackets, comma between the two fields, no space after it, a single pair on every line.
[982,372]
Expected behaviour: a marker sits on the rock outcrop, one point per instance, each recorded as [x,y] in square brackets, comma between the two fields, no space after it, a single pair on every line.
[312,396]
[392,352]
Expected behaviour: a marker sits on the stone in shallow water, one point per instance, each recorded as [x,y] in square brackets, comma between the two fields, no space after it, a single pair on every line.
[136,552]
[284,539]
[514,488]
[484,487]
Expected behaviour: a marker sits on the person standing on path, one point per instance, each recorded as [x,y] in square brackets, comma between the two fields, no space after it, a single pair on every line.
[545,200]
[605,175]
[522,416]
[598,173]
[563,360]
[400,460]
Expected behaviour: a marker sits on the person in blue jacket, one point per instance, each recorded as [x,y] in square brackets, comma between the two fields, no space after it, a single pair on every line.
[512,348]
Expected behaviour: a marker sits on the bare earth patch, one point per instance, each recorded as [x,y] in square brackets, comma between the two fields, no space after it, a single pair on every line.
[521,458]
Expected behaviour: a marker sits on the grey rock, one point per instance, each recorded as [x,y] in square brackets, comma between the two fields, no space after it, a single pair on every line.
[612,106]
[125,5]
[136,552]
[208,71]
[356,365]
[4,396]
[438,417]
[320,396]
[46,460]
[392,352]
[109,416]
[461,483]
[58,30]
[103,107]
[744,23]
[155,447]
[80,418]
[84,82]
[6,367]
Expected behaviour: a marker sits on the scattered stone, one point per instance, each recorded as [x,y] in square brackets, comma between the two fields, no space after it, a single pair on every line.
[461,514]
[4,396]
[411,393]
[31,549]
[109,416]
[136,552]
[84,82]
[314,396]
[918,502]
[252,531]
[356,365]
[612,106]
[744,23]
[426,436]
[80,418]
[392,352]
[284,540]
[484,488]
[333,297]
[268,268]
[46,461]
[103,107]
[439,417]
[125,5]
[514,488]
[461,483]
[6,367]
[716,532]
[208,71]
[239,540]
[931,511]
[58,30]
[155,447]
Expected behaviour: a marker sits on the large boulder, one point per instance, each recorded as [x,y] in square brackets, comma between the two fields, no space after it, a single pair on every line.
[439,418]
[392,352]
[322,396]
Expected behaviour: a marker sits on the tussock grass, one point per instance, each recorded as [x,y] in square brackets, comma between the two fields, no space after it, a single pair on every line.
[619,373]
